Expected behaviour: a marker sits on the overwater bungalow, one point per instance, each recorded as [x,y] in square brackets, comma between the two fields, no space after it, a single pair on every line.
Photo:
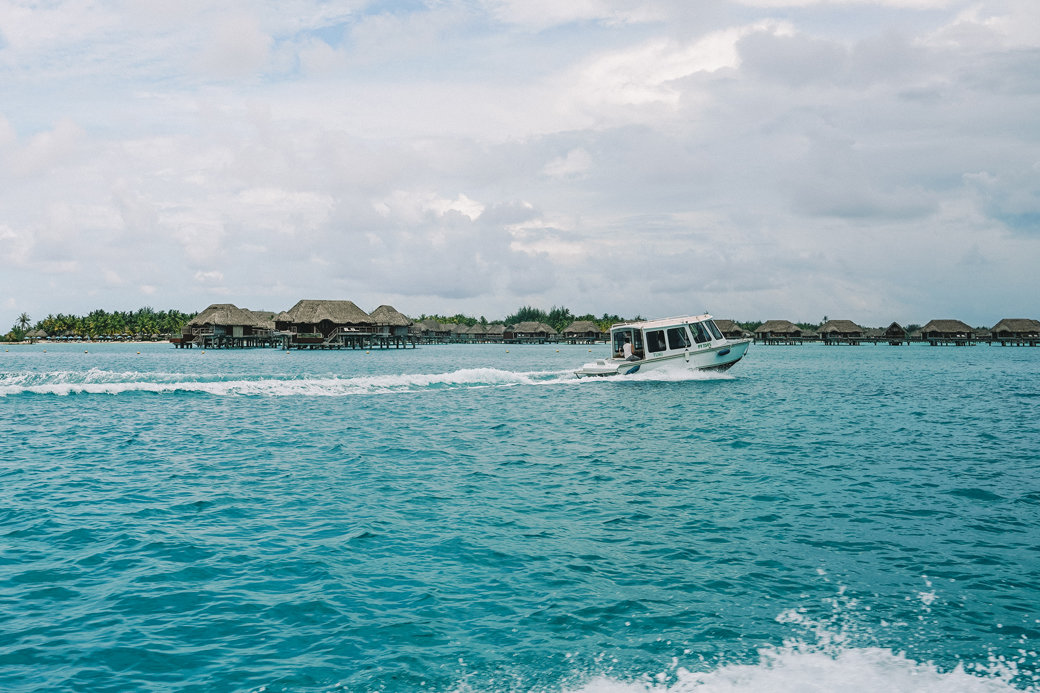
[731,330]
[895,334]
[582,332]
[779,332]
[325,324]
[391,328]
[841,332]
[476,333]
[530,332]
[225,326]
[495,333]
[433,332]
[459,332]
[1017,332]
[944,332]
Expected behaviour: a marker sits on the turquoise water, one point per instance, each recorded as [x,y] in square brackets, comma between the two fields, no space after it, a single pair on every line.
[473,518]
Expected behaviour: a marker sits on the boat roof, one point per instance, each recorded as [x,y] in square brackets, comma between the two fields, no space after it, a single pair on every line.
[662,322]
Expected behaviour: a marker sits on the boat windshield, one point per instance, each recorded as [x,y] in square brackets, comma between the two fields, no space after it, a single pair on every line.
[700,334]
[715,329]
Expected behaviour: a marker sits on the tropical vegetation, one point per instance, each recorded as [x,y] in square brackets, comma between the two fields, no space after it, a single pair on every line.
[144,323]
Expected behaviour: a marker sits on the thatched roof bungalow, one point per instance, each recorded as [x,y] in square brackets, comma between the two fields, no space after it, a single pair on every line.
[459,332]
[839,331]
[947,332]
[495,332]
[779,332]
[390,321]
[840,328]
[431,330]
[324,317]
[224,319]
[1017,331]
[895,334]
[476,333]
[582,331]
[530,331]
[731,330]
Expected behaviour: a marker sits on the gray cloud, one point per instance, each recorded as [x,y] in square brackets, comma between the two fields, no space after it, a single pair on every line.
[781,161]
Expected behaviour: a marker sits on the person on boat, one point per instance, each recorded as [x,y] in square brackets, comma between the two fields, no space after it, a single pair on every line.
[626,351]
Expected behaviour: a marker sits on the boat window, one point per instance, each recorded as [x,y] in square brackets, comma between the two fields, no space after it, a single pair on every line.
[677,338]
[628,336]
[700,335]
[715,329]
[620,338]
[655,340]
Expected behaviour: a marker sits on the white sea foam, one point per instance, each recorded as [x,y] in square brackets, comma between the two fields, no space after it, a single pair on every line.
[800,669]
[97,381]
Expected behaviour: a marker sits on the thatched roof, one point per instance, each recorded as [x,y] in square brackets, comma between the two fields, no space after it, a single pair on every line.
[388,315]
[946,327]
[1018,326]
[841,326]
[431,325]
[730,328]
[582,327]
[459,328]
[311,312]
[477,330]
[778,327]
[533,328]
[264,318]
[225,314]
[36,334]
[496,330]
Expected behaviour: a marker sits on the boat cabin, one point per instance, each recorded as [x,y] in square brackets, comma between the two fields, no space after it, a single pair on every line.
[650,339]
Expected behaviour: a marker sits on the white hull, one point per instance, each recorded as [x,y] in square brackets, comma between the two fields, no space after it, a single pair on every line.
[716,356]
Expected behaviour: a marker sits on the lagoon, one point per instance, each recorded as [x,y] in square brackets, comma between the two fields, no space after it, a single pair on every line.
[473,517]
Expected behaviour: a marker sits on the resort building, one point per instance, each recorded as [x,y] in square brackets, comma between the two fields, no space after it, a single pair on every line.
[841,332]
[941,332]
[895,334]
[225,325]
[731,330]
[325,323]
[1016,331]
[779,332]
[582,332]
[530,332]
[391,327]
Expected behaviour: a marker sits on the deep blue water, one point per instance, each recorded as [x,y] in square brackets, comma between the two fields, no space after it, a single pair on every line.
[473,518]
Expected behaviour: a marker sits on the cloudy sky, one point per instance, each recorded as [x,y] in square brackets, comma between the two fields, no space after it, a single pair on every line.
[870,160]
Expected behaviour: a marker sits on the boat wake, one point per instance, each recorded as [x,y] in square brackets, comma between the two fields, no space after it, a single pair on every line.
[799,668]
[97,381]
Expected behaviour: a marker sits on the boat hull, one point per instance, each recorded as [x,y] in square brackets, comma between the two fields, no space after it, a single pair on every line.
[717,358]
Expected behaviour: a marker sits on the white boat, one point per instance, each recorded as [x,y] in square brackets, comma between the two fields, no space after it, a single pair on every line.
[691,341]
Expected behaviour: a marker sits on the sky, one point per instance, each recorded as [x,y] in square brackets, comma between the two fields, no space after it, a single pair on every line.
[873,160]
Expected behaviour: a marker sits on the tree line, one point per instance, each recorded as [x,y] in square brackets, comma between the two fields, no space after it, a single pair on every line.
[144,323]
[557,318]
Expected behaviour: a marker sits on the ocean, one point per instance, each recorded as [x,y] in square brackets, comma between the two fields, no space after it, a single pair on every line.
[473,519]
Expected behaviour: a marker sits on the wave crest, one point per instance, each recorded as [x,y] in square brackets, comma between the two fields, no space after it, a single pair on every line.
[96,381]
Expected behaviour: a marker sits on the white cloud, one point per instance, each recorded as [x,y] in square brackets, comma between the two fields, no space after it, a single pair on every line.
[476,156]
[575,163]
[237,46]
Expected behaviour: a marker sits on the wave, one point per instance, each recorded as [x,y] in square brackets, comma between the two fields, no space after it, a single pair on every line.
[97,381]
[798,667]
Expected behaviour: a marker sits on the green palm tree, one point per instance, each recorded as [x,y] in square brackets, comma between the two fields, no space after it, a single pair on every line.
[24,321]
